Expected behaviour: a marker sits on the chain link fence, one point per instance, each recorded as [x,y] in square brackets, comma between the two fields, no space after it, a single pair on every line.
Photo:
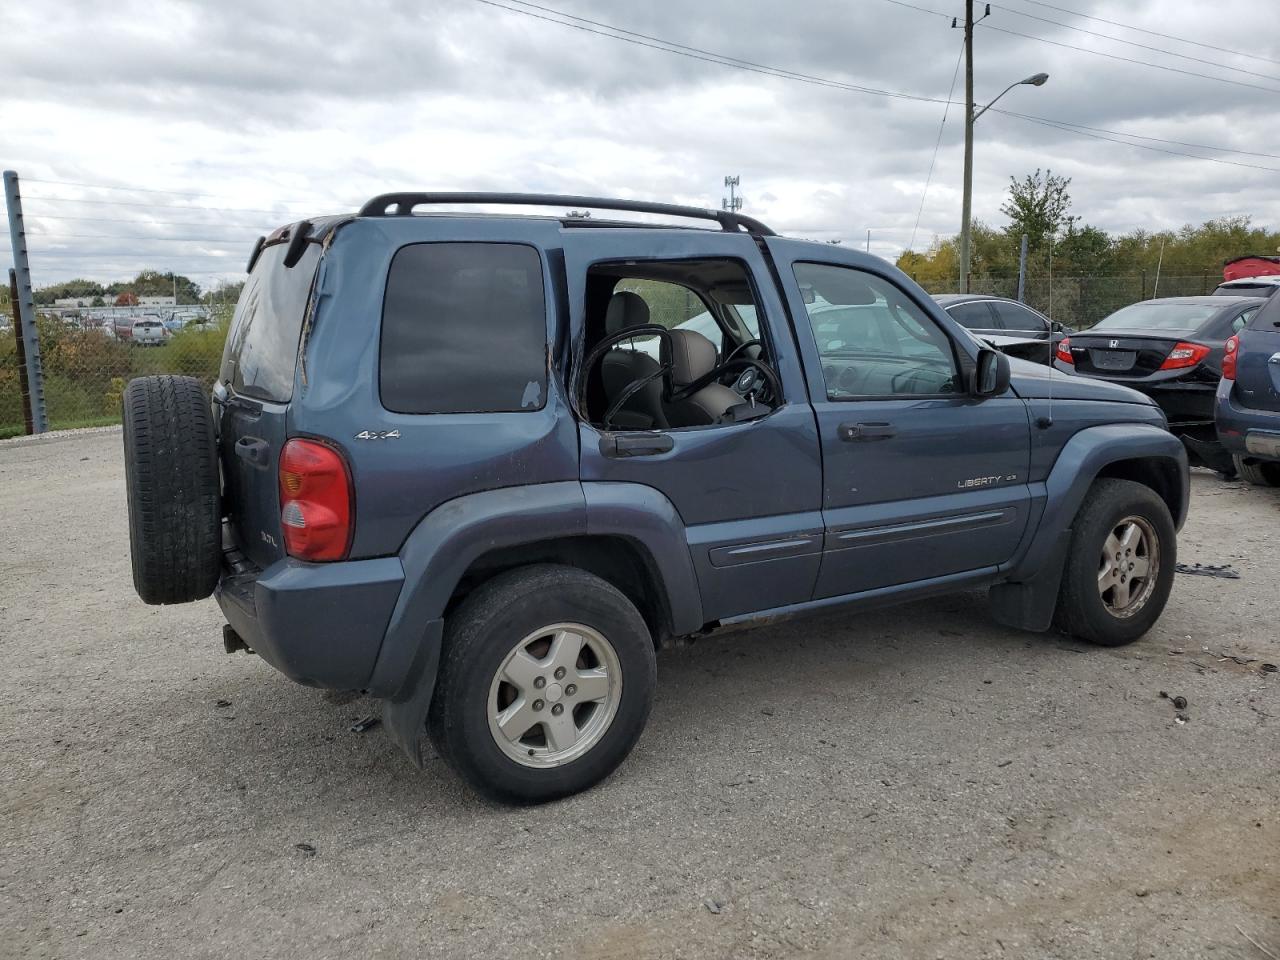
[1080,302]
[88,357]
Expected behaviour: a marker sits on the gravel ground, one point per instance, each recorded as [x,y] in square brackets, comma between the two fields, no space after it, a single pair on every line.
[916,782]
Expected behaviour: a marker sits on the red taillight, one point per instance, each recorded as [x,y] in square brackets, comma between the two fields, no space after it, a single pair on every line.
[315,501]
[1184,355]
[1063,353]
[1229,358]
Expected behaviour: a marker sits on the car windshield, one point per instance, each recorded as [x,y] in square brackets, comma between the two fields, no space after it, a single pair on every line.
[1159,316]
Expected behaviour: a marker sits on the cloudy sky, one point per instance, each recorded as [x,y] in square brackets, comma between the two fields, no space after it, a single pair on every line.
[224,119]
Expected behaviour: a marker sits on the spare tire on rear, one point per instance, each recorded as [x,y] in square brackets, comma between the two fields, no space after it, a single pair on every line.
[171,476]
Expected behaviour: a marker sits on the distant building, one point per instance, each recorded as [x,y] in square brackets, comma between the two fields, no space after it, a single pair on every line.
[157,301]
[74,302]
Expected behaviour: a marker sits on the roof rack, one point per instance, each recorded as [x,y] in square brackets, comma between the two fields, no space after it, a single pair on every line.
[402,204]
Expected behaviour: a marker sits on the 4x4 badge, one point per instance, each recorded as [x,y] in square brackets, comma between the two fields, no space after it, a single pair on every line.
[378,435]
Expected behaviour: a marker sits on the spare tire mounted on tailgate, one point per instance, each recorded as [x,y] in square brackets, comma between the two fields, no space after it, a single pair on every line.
[171,475]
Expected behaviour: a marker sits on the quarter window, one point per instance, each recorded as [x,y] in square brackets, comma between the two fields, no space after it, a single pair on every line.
[974,315]
[873,340]
[1014,317]
[464,329]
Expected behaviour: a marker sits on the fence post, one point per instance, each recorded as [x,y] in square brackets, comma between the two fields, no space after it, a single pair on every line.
[24,388]
[26,307]
[1022,271]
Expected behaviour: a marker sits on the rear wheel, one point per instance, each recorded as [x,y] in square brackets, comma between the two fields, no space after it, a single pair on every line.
[171,481]
[1120,566]
[545,684]
[1261,473]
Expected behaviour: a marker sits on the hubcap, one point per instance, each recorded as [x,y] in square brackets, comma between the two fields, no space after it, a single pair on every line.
[1129,567]
[554,695]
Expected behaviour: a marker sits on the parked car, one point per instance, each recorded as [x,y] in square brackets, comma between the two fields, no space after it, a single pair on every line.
[1171,349]
[1008,325]
[1247,409]
[148,332]
[1249,287]
[446,483]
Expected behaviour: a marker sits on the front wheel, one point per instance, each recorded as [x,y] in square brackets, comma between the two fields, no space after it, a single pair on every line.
[1120,567]
[546,682]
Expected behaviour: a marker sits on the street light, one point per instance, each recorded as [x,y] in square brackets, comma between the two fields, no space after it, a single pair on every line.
[1035,80]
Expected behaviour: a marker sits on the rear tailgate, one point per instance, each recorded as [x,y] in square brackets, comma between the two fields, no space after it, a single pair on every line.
[1258,362]
[255,387]
[1122,355]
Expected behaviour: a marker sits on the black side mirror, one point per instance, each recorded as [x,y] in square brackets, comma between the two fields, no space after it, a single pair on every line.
[1056,326]
[990,374]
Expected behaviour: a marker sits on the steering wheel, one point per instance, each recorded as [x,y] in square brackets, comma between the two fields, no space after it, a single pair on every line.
[597,354]
[740,347]
[757,383]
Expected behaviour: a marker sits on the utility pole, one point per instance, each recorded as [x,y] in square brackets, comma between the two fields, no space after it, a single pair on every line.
[868,241]
[1022,271]
[26,305]
[966,211]
[732,202]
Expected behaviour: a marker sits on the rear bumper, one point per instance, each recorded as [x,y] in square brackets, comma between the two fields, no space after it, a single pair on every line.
[1246,431]
[1184,402]
[321,624]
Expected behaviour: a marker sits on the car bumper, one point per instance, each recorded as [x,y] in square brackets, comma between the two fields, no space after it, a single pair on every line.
[321,624]
[1184,402]
[1246,431]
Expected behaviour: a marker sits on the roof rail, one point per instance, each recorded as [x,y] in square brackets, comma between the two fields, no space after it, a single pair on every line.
[402,204]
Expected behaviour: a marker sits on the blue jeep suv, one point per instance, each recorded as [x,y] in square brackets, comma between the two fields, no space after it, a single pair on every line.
[481,466]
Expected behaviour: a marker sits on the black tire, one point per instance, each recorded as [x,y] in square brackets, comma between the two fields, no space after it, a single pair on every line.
[1081,609]
[1260,473]
[480,635]
[171,479]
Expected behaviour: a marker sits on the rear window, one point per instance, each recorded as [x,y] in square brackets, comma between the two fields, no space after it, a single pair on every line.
[1159,316]
[262,345]
[464,329]
[1015,317]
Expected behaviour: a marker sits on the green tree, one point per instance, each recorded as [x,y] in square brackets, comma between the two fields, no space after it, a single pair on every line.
[1038,206]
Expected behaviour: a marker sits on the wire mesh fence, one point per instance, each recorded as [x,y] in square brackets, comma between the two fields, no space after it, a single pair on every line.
[1080,302]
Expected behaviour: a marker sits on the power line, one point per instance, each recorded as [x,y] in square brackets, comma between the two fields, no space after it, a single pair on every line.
[1141,146]
[1134,43]
[1097,53]
[105,186]
[1153,33]
[937,144]
[721,60]
[1138,136]
[1141,63]
[694,53]
[144,223]
[135,203]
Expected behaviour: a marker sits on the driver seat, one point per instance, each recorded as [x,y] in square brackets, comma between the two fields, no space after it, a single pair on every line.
[622,367]
[694,356]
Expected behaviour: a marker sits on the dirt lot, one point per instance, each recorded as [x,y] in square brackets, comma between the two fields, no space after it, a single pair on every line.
[907,783]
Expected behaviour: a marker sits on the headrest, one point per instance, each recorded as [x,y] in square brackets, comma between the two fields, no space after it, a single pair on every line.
[692,356]
[626,309]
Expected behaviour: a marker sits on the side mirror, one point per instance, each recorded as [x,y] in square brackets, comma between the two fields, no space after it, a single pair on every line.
[991,374]
[1056,326]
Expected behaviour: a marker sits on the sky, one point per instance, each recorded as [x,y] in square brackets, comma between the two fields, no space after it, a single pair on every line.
[169,135]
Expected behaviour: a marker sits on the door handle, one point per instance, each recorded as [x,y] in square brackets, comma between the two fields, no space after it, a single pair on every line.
[635,444]
[256,451]
[866,431]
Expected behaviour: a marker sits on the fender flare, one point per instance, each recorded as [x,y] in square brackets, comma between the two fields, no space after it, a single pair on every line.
[1027,598]
[449,539]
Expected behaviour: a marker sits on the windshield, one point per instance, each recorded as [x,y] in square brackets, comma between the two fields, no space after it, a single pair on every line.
[1159,316]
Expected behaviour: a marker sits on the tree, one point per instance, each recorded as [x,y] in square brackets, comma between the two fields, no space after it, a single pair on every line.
[1038,206]
[127,299]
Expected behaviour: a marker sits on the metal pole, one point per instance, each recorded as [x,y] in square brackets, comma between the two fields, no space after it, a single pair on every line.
[26,307]
[24,387]
[1022,271]
[868,241]
[967,206]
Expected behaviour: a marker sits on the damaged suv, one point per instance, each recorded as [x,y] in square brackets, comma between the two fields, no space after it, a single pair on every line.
[482,466]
